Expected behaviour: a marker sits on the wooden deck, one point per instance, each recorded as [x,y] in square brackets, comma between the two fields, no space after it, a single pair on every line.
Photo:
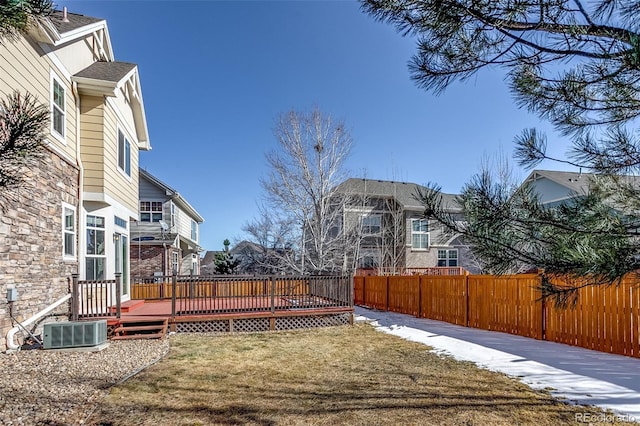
[232,311]
[220,304]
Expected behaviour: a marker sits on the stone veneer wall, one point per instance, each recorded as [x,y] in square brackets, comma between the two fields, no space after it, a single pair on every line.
[31,240]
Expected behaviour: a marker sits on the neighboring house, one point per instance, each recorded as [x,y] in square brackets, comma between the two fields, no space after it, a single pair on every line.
[208,262]
[73,213]
[556,187]
[253,259]
[166,237]
[396,236]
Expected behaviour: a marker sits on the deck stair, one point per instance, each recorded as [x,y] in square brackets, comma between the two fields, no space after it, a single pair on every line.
[140,328]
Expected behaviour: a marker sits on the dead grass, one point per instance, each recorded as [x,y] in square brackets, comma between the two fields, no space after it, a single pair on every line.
[344,375]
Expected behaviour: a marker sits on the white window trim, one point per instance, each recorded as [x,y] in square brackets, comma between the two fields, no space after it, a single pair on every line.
[151,211]
[427,233]
[96,256]
[54,133]
[65,232]
[448,250]
[370,215]
[175,263]
[174,215]
[127,139]
[194,227]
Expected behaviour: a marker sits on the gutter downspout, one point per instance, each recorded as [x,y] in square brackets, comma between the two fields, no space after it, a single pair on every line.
[76,96]
[11,346]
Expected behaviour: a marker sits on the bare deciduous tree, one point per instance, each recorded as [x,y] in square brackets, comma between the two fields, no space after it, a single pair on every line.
[301,192]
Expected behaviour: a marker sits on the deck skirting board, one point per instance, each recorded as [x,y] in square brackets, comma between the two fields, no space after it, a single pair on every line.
[254,324]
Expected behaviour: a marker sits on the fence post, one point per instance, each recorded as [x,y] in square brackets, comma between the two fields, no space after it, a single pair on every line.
[387,280]
[273,294]
[466,300]
[352,290]
[75,297]
[118,294]
[543,316]
[419,296]
[174,285]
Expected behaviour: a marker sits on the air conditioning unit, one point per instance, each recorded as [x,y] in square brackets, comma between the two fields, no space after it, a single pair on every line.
[60,335]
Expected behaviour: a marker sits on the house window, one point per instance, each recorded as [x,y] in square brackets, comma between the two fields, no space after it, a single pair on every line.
[194,230]
[124,153]
[448,257]
[174,215]
[194,264]
[96,254]
[174,263]
[371,224]
[368,259]
[58,108]
[150,211]
[118,221]
[420,233]
[68,232]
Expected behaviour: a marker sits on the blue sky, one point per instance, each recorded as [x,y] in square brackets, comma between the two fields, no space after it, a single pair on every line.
[216,74]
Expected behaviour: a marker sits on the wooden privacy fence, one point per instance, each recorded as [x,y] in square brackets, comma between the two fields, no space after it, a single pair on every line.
[605,318]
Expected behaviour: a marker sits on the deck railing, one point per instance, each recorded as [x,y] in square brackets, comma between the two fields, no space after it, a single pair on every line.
[201,295]
[194,295]
[96,298]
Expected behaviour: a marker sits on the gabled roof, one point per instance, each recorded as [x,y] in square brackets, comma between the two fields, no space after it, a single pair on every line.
[62,27]
[403,192]
[576,182]
[73,22]
[113,72]
[100,78]
[105,78]
[173,195]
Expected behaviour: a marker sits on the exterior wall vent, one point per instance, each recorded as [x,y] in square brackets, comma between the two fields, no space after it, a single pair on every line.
[60,335]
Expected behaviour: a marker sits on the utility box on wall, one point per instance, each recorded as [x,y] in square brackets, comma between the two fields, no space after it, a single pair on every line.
[12,294]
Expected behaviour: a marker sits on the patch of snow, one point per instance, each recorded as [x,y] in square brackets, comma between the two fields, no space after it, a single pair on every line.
[562,384]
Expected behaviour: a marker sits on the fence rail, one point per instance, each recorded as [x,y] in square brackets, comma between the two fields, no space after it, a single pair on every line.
[436,270]
[605,318]
[200,295]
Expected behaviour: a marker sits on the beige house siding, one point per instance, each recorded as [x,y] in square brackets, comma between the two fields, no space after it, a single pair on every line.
[125,115]
[25,67]
[76,59]
[184,226]
[118,185]
[92,147]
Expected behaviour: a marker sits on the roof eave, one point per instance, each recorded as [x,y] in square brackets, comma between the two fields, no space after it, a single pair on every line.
[95,87]
[184,204]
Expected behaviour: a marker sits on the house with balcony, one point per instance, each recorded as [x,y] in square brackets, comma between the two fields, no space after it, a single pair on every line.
[166,236]
[73,213]
[396,237]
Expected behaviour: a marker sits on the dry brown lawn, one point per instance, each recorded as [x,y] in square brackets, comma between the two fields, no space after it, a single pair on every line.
[344,375]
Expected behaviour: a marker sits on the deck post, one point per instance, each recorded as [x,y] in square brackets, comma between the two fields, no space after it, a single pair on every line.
[75,297]
[118,293]
[273,294]
[174,285]
[352,289]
